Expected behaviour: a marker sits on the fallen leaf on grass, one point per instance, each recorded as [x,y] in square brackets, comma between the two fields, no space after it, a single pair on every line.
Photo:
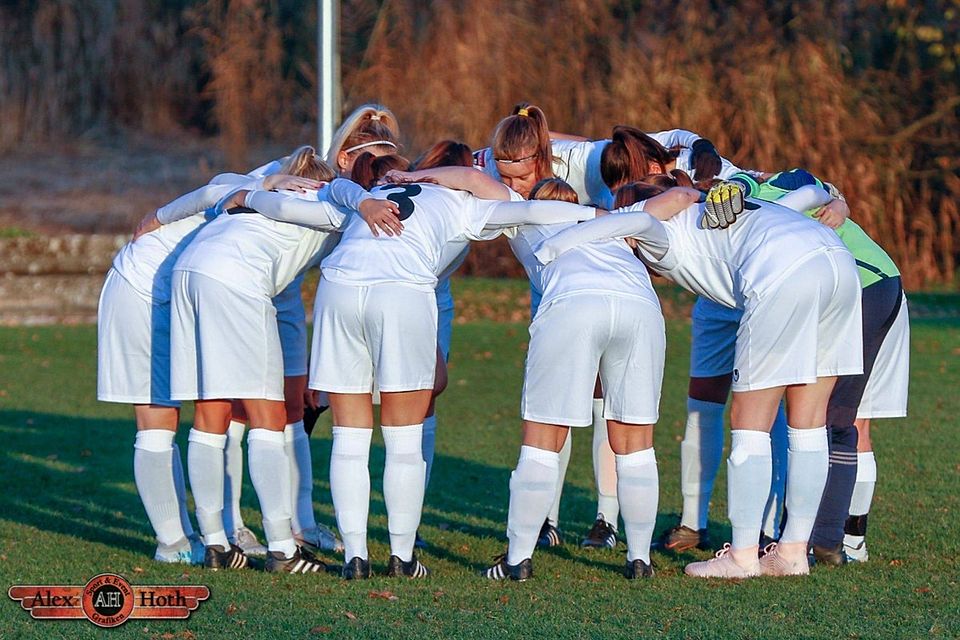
[138,569]
[896,563]
[232,609]
[384,595]
[350,615]
[321,629]
[923,590]
[503,599]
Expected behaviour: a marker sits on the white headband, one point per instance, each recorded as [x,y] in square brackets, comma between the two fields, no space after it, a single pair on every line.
[375,143]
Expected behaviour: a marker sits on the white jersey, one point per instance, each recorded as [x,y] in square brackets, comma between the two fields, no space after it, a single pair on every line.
[728,266]
[437,224]
[147,262]
[578,163]
[603,266]
[260,256]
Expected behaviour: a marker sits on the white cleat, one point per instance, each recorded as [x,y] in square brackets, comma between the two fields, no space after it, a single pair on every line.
[855,548]
[785,559]
[319,537]
[187,551]
[246,540]
[723,565]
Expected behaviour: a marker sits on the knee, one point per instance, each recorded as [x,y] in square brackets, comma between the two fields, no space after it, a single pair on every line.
[844,438]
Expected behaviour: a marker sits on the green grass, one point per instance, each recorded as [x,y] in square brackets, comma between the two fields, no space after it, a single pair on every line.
[69,510]
[16,232]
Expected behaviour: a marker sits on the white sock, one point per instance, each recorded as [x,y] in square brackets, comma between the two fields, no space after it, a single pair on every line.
[270,474]
[554,515]
[700,454]
[604,468]
[773,512]
[233,477]
[350,487]
[428,444]
[532,485]
[178,482]
[205,468]
[807,465]
[296,443]
[866,481]
[748,484]
[404,472]
[638,486]
[153,472]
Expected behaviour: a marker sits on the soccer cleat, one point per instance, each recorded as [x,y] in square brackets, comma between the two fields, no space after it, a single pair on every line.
[502,571]
[186,551]
[246,540]
[831,557]
[854,538]
[320,538]
[723,566]
[216,557]
[855,548]
[637,569]
[397,568]
[549,535]
[302,561]
[602,535]
[356,569]
[777,560]
[682,538]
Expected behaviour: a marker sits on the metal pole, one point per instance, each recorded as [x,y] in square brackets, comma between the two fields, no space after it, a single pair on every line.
[328,71]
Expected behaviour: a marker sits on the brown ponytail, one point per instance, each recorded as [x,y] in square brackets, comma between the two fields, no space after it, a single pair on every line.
[523,134]
[368,168]
[629,155]
[446,153]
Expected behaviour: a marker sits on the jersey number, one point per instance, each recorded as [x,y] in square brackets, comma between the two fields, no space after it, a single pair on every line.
[404,198]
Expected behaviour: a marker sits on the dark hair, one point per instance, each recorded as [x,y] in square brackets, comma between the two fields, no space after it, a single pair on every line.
[650,186]
[629,154]
[523,133]
[368,168]
[446,153]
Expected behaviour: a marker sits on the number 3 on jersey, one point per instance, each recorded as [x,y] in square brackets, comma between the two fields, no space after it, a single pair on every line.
[404,198]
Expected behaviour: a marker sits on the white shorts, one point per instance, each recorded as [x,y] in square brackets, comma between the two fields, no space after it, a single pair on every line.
[713,338]
[575,337]
[225,344]
[292,325]
[387,332]
[886,392]
[806,328]
[133,346]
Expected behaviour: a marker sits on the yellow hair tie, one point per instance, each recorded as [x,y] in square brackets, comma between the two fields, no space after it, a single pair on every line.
[523,112]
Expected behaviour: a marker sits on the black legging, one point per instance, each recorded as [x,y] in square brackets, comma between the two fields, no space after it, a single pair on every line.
[881,303]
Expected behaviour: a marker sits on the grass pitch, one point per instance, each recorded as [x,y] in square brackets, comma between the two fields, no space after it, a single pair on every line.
[69,510]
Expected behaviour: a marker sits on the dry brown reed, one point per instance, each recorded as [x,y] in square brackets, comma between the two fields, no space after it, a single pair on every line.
[865,94]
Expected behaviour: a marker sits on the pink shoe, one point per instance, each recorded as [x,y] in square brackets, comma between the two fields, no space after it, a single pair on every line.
[785,559]
[725,566]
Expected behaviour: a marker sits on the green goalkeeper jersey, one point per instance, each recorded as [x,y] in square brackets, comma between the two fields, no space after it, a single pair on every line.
[873,262]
